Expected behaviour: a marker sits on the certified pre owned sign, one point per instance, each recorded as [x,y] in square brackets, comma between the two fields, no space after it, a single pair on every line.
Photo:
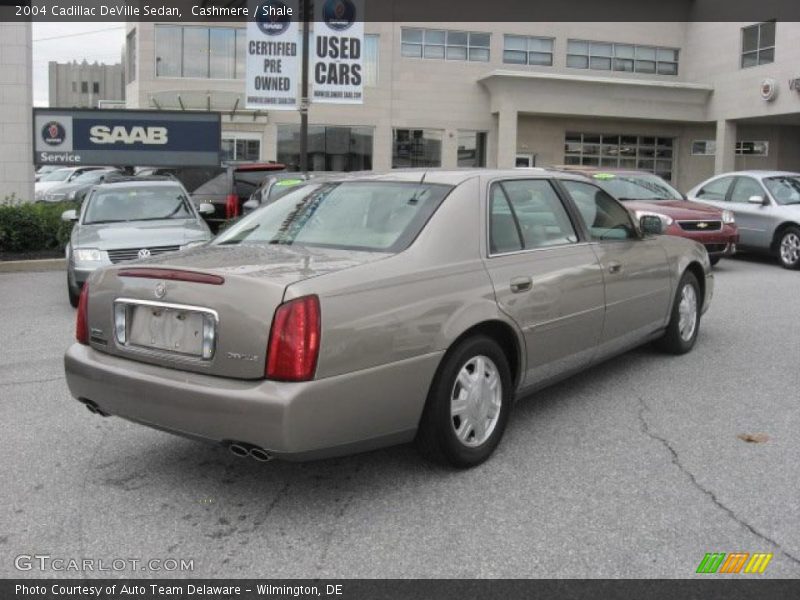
[126,138]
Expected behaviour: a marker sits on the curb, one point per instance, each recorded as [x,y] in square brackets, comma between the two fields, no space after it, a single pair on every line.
[46,264]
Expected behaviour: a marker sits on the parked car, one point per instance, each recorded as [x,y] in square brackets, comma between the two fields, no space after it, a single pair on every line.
[126,219]
[58,177]
[648,194]
[767,209]
[76,189]
[373,310]
[274,186]
[44,170]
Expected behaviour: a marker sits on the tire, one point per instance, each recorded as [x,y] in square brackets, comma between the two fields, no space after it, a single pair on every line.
[681,333]
[73,293]
[789,248]
[714,260]
[456,439]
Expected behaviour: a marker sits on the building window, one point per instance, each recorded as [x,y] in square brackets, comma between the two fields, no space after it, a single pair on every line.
[200,52]
[758,44]
[130,57]
[526,50]
[95,87]
[607,56]
[330,147]
[442,44]
[74,87]
[646,153]
[471,148]
[84,87]
[416,148]
[743,148]
[241,148]
[371,59]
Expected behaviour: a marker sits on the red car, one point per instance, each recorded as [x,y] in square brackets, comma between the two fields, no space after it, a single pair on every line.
[647,194]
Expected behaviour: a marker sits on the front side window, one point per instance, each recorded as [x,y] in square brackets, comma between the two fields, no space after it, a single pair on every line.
[785,189]
[416,148]
[608,56]
[444,44]
[358,215]
[605,218]
[716,190]
[745,188]
[145,203]
[758,44]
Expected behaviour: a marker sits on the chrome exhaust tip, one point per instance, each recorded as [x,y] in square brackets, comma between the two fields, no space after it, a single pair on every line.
[238,450]
[260,454]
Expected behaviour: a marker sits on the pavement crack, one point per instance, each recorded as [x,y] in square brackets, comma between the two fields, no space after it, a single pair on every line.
[646,430]
[29,381]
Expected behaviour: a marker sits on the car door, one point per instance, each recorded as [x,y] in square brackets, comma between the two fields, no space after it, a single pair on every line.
[753,220]
[545,277]
[638,288]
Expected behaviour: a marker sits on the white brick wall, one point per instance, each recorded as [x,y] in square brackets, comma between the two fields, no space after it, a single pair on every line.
[16,100]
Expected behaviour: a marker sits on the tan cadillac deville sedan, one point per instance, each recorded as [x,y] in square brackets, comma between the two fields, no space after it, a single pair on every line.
[374,310]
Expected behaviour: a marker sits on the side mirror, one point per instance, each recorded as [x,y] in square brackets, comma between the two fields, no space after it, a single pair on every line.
[250,205]
[206,208]
[651,225]
[759,200]
[69,215]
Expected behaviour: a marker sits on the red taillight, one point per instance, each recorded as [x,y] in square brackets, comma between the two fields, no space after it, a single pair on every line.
[294,340]
[82,321]
[231,206]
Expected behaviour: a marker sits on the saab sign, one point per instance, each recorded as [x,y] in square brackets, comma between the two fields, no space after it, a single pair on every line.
[126,138]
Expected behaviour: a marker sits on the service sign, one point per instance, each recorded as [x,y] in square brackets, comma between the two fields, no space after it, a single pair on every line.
[125,138]
[337,73]
[273,55]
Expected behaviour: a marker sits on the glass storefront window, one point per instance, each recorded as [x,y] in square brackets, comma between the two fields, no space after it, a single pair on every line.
[330,148]
[416,148]
[471,148]
[620,151]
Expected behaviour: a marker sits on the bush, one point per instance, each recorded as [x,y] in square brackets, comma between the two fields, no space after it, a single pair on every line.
[28,227]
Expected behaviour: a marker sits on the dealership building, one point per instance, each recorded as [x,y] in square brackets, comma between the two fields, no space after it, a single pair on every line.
[684,100]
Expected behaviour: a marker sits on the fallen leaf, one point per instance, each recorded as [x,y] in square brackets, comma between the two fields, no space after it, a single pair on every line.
[753,438]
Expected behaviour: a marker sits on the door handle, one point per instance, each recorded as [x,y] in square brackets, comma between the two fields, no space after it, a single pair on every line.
[521,284]
[614,267]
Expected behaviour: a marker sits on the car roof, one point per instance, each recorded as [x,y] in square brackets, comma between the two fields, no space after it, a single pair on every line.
[759,173]
[452,176]
[150,181]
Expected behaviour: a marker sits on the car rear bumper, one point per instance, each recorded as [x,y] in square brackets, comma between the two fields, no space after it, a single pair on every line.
[338,415]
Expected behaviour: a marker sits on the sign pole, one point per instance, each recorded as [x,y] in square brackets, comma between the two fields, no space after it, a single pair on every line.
[304,88]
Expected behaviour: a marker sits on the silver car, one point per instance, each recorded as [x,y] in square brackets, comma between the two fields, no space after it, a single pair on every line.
[766,205]
[129,219]
[374,310]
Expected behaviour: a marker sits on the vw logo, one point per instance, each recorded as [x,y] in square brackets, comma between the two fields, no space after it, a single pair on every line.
[143,253]
[161,289]
[53,133]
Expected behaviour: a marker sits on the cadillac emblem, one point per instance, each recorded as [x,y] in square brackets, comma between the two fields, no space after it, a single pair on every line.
[161,289]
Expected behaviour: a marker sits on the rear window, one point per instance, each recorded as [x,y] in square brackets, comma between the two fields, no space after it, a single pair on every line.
[366,215]
[637,187]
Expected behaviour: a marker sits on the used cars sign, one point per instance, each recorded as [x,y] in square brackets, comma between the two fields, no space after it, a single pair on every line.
[125,138]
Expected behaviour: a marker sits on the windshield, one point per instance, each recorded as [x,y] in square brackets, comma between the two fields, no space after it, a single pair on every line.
[59,175]
[785,189]
[639,186]
[90,176]
[282,187]
[365,215]
[140,203]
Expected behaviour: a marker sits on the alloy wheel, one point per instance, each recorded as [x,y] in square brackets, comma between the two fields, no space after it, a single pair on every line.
[687,312]
[790,248]
[475,401]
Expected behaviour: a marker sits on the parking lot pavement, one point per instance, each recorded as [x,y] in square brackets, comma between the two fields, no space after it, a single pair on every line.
[632,469]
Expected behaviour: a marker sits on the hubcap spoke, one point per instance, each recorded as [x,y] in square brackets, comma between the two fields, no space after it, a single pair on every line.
[687,312]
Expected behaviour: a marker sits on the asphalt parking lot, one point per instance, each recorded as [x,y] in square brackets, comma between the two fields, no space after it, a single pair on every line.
[632,469]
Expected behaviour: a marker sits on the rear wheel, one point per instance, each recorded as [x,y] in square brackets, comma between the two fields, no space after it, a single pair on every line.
[468,404]
[684,323]
[789,248]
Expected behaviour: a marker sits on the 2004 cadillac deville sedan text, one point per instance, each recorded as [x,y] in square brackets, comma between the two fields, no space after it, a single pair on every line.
[375,310]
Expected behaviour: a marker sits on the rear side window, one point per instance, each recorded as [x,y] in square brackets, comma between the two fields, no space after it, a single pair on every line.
[605,218]
[356,215]
[527,214]
[716,190]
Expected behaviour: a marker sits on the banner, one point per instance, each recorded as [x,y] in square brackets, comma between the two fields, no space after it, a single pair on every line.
[338,50]
[273,55]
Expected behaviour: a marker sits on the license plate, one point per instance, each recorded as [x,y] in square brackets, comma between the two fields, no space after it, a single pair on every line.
[168,329]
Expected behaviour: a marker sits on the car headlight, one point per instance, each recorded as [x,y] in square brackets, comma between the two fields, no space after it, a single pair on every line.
[666,220]
[728,217]
[193,244]
[90,255]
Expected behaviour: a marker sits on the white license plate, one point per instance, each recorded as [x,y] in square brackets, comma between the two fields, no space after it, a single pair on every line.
[168,329]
